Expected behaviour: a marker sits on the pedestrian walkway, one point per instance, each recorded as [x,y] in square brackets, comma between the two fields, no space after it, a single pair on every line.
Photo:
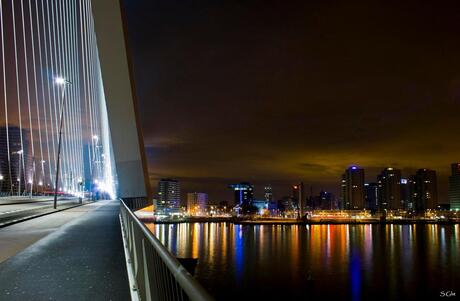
[81,260]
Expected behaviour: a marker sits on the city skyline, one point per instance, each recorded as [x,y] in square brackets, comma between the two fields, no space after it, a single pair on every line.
[390,195]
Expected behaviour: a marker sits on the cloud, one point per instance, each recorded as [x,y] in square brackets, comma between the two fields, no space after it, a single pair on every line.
[239,92]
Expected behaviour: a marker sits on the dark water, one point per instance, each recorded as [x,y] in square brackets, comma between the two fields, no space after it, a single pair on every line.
[320,262]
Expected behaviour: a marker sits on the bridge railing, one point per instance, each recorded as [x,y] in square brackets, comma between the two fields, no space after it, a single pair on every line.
[157,273]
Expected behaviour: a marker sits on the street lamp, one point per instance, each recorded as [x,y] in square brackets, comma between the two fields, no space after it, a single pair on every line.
[62,82]
[1,182]
[19,153]
[80,189]
[43,175]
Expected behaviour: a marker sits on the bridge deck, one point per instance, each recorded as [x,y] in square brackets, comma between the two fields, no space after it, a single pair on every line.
[82,260]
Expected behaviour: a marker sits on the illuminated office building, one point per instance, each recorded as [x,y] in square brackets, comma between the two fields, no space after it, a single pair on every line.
[196,203]
[426,190]
[268,193]
[389,184]
[371,196]
[353,188]
[454,187]
[168,196]
[243,192]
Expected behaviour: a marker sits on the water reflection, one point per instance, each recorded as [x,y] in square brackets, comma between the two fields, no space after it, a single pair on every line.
[347,262]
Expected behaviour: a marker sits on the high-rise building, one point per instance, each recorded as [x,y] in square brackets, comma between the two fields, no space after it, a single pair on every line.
[406,194]
[425,189]
[168,196]
[268,193]
[454,187]
[353,188]
[389,184]
[298,197]
[371,196]
[244,193]
[15,162]
[196,203]
[343,192]
[326,201]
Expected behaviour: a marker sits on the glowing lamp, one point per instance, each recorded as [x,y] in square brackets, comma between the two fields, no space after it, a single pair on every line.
[59,80]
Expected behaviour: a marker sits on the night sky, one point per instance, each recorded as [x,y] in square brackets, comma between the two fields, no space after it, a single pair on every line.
[274,92]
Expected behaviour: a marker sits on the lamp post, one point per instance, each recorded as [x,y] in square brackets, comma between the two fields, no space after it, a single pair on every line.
[62,82]
[43,176]
[31,183]
[1,183]
[94,173]
[19,153]
[80,189]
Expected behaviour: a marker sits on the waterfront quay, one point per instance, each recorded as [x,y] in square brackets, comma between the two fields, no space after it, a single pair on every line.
[316,217]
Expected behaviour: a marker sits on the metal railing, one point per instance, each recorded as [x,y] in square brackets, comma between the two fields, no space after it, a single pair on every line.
[137,203]
[157,273]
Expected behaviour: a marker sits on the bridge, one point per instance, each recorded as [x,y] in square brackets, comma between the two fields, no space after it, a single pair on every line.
[72,164]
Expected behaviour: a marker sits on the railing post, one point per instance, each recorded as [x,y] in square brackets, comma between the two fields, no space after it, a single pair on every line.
[148,296]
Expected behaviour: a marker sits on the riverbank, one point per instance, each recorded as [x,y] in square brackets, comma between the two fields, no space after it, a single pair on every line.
[272,221]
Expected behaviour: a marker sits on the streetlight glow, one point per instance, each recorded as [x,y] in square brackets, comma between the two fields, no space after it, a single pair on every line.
[59,80]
